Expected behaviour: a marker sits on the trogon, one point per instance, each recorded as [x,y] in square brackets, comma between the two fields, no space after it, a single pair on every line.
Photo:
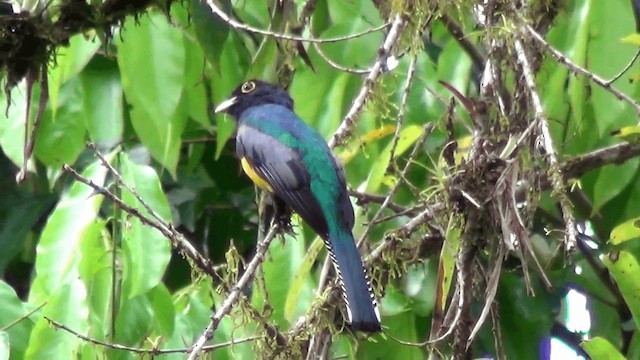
[290,160]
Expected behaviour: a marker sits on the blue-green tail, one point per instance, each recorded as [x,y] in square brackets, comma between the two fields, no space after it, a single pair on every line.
[361,304]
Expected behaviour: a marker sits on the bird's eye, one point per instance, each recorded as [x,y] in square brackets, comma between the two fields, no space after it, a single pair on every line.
[248,87]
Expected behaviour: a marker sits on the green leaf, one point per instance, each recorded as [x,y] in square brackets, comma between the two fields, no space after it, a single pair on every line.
[211,31]
[401,326]
[234,65]
[59,248]
[608,22]
[265,60]
[70,60]
[610,180]
[66,306]
[195,91]
[628,230]
[12,322]
[408,136]
[578,85]
[96,271]
[18,214]
[163,309]
[134,320]
[12,128]
[62,139]
[624,268]
[292,303]
[151,57]
[600,349]
[4,346]
[103,101]
[146,252]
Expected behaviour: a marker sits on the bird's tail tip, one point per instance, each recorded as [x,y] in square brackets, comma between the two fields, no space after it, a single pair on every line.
[370,326]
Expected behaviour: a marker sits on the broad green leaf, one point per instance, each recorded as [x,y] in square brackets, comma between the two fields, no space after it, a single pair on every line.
[292,302]
[600,349]
[408,137]
[66,306]
[18,214]
[311,101]
[13,322]
[335,99]
[401,326]
[610,180]
[454,67]
[163,310]
[628,230]
[568,37]
[5,349]
[195,91]
[62,139]
[96,271]
[134,320]
[420,287]
[264,61]
[234,65]
[103,101]
[524,320]
[59,248]
[12,127]
[151,57]
[608,22]
[394,302]
[146,252]
[211,32]
[578,85]
[624,269]
[447,265]
[70,60]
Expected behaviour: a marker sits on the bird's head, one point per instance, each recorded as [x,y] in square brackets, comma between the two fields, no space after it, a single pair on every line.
[254,93]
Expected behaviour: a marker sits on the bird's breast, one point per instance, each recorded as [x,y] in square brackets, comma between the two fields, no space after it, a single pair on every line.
[253,175]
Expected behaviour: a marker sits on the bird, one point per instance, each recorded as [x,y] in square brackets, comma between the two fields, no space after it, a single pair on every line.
[291,161]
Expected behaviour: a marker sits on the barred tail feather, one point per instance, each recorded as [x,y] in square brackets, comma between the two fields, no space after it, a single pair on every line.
[362,309]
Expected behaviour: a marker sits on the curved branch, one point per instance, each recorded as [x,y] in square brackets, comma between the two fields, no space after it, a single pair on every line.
[240,26]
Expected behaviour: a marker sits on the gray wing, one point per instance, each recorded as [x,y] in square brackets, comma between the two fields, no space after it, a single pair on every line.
[283,168]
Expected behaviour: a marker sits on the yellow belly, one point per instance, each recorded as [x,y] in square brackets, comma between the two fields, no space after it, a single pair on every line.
[257,179]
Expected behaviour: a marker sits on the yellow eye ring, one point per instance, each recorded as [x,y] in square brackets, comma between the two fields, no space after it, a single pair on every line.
[248,87]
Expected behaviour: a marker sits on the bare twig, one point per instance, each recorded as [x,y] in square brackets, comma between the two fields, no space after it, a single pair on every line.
[575,68]
[557,181]
[337,66]
[235,293]
[624,70]
[142,351]
[348,122]
[614,154]
[403,109]
[240,26]
[25,316]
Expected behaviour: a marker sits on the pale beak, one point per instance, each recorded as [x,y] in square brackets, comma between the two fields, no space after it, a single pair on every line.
[226,104]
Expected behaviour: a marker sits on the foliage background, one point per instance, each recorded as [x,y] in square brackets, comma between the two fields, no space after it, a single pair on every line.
[142,87]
